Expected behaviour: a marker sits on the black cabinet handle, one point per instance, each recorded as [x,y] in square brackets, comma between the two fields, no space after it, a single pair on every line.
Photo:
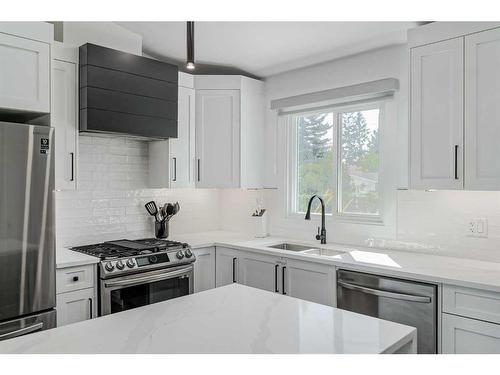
[276,267]
[283,281]
[75,278]
[90,307]
[198,170]
[72,166]
[175,169]
[456,162]
[234,270]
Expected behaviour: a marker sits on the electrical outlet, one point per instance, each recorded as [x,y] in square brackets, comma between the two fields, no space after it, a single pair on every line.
[477,228]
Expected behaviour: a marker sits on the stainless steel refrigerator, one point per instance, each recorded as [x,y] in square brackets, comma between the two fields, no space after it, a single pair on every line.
[27,229]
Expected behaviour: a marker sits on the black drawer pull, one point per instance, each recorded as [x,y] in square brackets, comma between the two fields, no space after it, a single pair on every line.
[75,278]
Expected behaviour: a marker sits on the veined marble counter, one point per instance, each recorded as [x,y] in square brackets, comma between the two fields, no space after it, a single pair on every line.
[229,319]
[69,258]
[406,264]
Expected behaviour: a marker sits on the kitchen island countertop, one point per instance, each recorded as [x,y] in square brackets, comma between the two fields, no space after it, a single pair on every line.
[230,319]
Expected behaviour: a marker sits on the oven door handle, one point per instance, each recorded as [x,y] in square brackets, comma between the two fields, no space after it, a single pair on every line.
[145,279]
[383,293]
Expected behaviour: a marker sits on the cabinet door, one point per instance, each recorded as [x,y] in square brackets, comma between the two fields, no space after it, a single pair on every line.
[226,266]
[64,120]
[436,116]
[469,336]
[24,74]
[204,269]
[309,281]
[75,306]
[217,138]
[260,271]
[182,155]
[482,110]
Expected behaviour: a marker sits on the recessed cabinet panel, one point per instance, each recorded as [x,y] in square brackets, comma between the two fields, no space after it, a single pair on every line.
[482,98]
[64,120]
[469,336]
[260,271]
[204,269]
[217,138]
[436,131]
[310,281]
[226,266]
[24,74]
[73,307]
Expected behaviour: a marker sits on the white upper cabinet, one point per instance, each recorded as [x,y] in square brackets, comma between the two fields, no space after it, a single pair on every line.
[436,116]
[482,110]
[24,74]
[229,132]
[172,162]
[182,154]
[64,118]
[217,138]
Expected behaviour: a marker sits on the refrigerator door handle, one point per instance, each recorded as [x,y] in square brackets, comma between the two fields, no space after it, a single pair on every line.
[23,331]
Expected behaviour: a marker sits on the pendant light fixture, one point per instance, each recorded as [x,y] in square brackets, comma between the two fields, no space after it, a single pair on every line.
[190,45]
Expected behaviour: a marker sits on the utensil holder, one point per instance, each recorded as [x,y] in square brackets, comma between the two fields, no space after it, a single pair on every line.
[260,225]
[161,229]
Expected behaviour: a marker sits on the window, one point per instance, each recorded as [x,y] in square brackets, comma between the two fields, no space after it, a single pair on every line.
[335,154]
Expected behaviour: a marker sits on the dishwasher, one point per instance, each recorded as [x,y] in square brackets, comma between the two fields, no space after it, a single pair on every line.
[406,302]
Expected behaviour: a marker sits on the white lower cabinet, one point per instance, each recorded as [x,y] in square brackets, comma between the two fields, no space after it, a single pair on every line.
[309,281]
[226,266]
[260,271]
[469,336]
[73,307]
[204,269]
[76,298]
[302,279]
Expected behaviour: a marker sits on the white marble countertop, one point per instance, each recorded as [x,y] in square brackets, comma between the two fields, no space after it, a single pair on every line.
[69,258]
[406,264]
[230,319]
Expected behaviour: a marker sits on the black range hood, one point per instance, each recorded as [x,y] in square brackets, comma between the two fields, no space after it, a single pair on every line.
[126,94]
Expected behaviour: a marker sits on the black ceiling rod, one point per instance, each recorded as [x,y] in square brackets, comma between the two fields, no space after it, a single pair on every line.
[190,45]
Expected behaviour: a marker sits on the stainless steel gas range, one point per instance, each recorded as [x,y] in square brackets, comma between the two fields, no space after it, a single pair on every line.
[140,272]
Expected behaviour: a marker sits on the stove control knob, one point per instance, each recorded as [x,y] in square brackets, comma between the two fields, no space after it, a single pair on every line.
[109,266]
[188,253]
[130,263]
[120,265]
[180,254]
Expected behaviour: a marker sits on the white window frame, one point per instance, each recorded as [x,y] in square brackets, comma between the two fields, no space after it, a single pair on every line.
[292,162]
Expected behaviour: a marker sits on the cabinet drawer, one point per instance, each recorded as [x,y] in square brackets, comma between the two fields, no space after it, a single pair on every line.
[77,306]
[473,303]
[74,278]
[469,336]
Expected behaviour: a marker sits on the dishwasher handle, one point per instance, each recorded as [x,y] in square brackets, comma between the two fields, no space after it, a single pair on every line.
[383,293]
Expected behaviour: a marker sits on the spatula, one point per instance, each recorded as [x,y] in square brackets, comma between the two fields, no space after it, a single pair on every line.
[152,209]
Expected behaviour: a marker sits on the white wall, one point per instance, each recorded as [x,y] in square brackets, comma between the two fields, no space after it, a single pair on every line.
[389,62]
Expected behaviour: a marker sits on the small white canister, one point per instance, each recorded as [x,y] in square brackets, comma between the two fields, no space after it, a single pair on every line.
[260,223]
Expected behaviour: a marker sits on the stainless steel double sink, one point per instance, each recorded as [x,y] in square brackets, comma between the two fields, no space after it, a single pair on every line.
[311,250]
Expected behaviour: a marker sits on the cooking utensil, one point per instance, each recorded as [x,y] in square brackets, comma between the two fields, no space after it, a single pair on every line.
[152,209]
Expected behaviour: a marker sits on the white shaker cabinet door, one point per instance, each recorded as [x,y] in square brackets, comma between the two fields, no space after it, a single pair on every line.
[226,266]
[204,269]
[24,74]
[482,110]
[436,116]
[469,336]
[260,271]
[182,154]
[73,307]
[217,138]
[309,281]
[64,120]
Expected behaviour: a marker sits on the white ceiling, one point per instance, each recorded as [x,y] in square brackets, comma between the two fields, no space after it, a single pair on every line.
[266,48]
